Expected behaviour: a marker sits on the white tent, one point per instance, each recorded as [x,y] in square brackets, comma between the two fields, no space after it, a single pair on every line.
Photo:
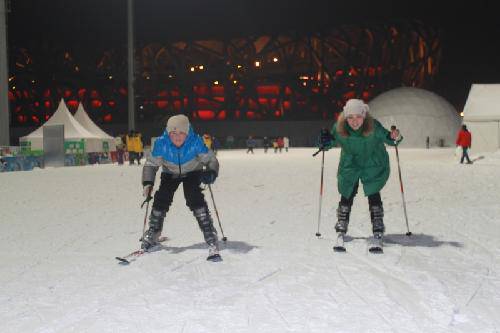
[482,116]
[419,114]
[83,118]
[73,131]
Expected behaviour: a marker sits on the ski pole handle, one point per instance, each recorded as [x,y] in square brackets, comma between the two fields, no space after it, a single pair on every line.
[319,151]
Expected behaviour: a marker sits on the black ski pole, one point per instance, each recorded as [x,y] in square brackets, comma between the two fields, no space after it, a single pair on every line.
[318,234]
[224,238]
[146,201]
[402,193]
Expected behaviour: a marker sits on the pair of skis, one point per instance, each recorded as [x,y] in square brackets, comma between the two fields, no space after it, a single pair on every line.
[375,244]
[132,256]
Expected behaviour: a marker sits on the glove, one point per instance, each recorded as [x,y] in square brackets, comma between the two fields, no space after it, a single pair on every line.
[146,191]
[208,177]
[395,135]
[325,139]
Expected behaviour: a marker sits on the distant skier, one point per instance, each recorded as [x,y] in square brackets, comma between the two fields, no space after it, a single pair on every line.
[185,159]
[266,144]
[251,144]
[280,143]
[286,143]
[464,140]
[363,158]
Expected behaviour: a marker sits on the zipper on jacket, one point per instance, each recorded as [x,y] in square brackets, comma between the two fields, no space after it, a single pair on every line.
[179,160]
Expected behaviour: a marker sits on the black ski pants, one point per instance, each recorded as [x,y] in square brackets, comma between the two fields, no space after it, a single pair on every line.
[373,199]
[192,191]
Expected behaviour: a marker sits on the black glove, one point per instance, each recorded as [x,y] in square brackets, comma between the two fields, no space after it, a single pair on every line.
[325,138]
[208,176]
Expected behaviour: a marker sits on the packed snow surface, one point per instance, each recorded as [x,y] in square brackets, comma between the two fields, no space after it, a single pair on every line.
[61,229]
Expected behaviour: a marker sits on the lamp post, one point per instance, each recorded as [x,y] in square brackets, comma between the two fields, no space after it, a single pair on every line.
[4,74]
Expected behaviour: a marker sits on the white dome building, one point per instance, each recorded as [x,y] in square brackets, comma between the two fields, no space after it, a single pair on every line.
[418,114]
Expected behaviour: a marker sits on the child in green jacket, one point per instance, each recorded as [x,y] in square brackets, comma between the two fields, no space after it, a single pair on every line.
[363,158]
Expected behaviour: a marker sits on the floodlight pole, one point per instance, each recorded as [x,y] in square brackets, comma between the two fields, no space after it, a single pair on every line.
[131,74]
[4,74]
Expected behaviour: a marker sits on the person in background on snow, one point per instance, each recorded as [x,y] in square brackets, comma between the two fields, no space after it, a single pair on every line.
[134,147]
[464,140]
[275,145]
[185,159]
[251,144]
[215,145]
[265,143]
[207,139]
[280,142]
[286,143]
[363,158]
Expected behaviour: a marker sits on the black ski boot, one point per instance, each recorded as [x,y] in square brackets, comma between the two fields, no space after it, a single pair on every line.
[343,213]
[150,238]
[209,233]
[378,228]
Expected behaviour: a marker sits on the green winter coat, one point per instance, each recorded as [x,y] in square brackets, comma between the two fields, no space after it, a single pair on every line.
[363,156]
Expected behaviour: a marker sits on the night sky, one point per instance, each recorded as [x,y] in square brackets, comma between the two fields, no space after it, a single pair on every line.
[471,29]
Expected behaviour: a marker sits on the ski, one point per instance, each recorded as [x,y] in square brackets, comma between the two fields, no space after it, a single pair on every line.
[214,258]
[339,244]
[376,244]
[125,260]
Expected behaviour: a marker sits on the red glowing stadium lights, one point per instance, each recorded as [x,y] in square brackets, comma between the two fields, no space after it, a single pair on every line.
[222,115]
[81,93]
[72,104]
[96,103]
[206,114]
[161,104]
[268,89]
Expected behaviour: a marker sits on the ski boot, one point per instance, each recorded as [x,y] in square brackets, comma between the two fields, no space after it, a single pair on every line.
[378,228]
[152,235]
[209,233]
[343,213]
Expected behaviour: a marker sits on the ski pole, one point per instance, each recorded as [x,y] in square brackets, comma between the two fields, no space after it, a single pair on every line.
[402,193]
[146,201]
[224,238]
[318,234]
[145,216]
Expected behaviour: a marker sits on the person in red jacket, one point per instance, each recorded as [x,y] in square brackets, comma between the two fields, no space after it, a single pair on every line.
[464,140]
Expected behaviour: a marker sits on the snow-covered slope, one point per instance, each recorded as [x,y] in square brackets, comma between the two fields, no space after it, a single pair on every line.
[57,249]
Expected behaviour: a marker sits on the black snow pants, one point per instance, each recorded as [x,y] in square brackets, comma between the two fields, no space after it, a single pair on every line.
[192,191]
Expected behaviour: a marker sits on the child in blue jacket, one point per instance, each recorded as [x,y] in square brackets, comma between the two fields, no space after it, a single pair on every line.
[185,159]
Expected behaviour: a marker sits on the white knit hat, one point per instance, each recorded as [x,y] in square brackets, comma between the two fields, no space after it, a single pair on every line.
[178,123]
[355,107]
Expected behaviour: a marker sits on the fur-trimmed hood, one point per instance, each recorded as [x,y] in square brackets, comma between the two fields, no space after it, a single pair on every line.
[367,128]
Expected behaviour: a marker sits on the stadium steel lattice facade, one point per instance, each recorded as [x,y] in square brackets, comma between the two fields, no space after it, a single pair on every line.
[285,76]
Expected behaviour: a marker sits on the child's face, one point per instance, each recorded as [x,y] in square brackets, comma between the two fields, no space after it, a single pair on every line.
[177,138]
[355,121]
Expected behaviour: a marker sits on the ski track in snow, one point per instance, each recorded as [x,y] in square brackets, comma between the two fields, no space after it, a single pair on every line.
[62,228]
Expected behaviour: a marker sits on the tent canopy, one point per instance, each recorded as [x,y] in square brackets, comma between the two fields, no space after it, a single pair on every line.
[72,130]
[83,118]
[482,117]
[483,103]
